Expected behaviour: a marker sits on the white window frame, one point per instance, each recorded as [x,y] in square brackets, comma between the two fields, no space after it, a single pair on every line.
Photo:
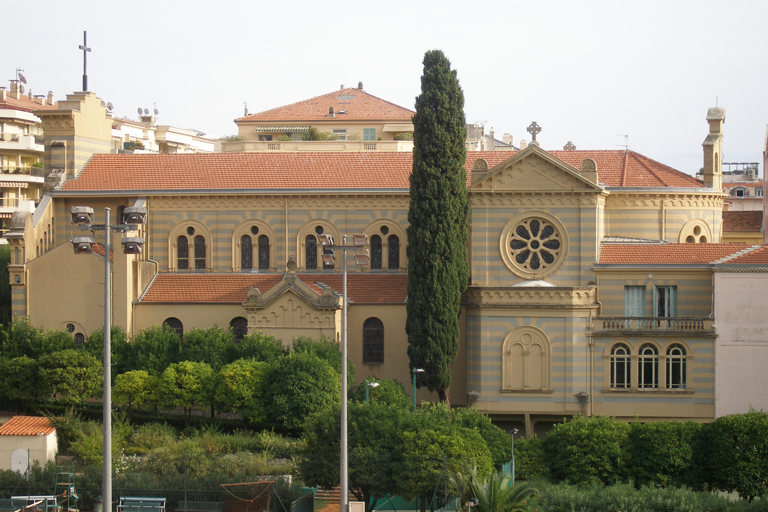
[342,134]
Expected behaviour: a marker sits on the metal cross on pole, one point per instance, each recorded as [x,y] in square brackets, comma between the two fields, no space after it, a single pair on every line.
[85,49]
[534,129]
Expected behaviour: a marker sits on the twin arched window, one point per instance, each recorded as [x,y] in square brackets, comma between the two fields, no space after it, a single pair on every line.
[311,246]
[373,341]
[260,254]
[647,367]
[190,257]
[393,251]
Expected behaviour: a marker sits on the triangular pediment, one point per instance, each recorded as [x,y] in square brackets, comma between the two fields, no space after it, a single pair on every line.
[291,285]
[532,170]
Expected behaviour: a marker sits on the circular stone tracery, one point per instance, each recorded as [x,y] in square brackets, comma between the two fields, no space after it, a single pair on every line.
[534,245]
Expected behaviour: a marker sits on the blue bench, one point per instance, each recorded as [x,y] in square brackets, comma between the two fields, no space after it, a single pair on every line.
[141,504]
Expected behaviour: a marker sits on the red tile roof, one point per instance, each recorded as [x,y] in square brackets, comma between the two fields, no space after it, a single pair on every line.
[742,221]
[666,254]
[344,170]
[358,105]
[26,426]
[615,168]
[232,288]
[756,257]
[24,103]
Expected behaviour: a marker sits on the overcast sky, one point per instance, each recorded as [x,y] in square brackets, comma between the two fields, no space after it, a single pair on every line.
[588,71]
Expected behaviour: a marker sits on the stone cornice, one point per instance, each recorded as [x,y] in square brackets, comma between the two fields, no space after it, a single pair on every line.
[530,297]
[674,198]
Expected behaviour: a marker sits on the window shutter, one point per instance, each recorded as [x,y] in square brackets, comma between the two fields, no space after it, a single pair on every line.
[673,301]
[634,301]
[655,301]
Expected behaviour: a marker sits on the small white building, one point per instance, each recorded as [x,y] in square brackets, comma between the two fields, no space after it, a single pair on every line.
[25,439]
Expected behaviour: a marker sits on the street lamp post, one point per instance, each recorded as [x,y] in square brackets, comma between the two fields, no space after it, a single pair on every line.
[512,462]
[358,242]
[414,371]
[369,385]
[82,216]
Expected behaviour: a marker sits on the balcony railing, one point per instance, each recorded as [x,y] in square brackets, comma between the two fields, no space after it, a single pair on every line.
[653,323]
[9,202]
[28,171]
[22,142]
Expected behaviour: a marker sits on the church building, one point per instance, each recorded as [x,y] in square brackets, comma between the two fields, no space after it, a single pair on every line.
[591,286]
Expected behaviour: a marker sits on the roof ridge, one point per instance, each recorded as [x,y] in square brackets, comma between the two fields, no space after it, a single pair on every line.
[623,168]
[737,254]
[646,166]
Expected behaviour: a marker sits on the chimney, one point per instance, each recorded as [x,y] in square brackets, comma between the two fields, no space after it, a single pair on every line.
[29,94]
[331,113]
[507,139]
[39,99]
[713,152]
[342,87]
[360,86]
[49,99]
[3,92]
[15,89]
[523,144]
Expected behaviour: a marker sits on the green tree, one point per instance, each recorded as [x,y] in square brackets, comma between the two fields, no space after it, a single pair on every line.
[134,389]
[301,384]
[437,236]
[588,450]
[374,434]
[213,346]
[733,453]
[326,349]
[660,453]
[388,392]
[19,338]
[186,385]
[498,441]
[121,349]
[6,312]
[16,376]
[241,387]
[260,347]
[529,459]
[153,350]
[71,374]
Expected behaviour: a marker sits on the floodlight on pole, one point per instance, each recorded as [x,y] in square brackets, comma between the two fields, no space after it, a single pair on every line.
[368,386]
[512,462]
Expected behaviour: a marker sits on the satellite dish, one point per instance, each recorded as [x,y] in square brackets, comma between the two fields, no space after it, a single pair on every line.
[140,111]
[146,111]
[21,89]
[156,112]
[110,106]
[21,77]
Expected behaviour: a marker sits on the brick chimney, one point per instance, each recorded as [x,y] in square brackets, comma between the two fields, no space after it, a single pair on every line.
[713,151]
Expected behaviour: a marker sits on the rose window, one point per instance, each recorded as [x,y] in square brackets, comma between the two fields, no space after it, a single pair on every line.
[534,245]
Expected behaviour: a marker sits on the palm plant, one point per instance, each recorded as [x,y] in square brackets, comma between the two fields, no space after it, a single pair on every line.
[494,494]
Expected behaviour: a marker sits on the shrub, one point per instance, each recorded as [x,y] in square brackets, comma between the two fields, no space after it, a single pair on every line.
[404,136]
[150,437]
[260,347]
[660,453]
[586,450]
[499,442]
[529,459]
[389,392]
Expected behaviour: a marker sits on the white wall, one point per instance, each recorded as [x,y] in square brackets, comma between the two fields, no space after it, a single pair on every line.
[741,374]
[42,448]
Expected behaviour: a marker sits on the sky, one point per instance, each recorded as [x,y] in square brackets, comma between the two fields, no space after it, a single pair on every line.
[590,72]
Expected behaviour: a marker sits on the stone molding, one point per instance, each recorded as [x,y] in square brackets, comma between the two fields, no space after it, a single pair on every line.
[558,297]
[278,203]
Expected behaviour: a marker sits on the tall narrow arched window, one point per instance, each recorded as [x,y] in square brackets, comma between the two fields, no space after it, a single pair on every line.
[263,252]
[620,367]
[239,326]
[376,252]
[182,250]
[373,341]
[79,340]
[311,252]
[175,325]
[246,253]
[394,252]
[648,368]
[676,362]
[199,252]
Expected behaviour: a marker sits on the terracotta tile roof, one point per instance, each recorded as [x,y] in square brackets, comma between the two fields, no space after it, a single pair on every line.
[358,105]
[745,184]
[366,288]
[741,221]
[666,254]
[349,170]
[615,168]
[344,170]
[756,257]
[26,426]
[24,103]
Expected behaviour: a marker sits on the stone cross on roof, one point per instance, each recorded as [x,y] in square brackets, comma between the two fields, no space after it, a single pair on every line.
[570,146]
[85,49]
[534,129]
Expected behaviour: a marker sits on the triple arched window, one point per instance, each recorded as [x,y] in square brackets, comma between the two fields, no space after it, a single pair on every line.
[644,370]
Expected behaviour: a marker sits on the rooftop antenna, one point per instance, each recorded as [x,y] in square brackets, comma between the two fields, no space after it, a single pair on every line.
[154,109]
[245,106]
[716,105]
[19,76]
[110,106]
[626,142]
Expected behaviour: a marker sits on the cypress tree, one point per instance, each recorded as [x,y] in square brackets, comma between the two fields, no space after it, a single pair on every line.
[438,269]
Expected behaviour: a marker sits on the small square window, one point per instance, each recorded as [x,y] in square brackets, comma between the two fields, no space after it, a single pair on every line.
[341,134]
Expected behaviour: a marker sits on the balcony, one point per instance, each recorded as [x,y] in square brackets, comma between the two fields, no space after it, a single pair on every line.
[18,142]
[23,171]
[654,324]
[316,146]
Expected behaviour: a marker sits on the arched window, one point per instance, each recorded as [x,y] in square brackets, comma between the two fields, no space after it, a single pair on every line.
[394,252]
[311,251]
[79,340]
[676,362]
[620,369]
[199,252]
[373,341]
[263,252]
[648,368]
[376,252]
[175,325]
[182,250]
[246,253]
[239,326]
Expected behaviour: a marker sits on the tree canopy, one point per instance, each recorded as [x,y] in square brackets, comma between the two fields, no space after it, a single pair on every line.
[438,269]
